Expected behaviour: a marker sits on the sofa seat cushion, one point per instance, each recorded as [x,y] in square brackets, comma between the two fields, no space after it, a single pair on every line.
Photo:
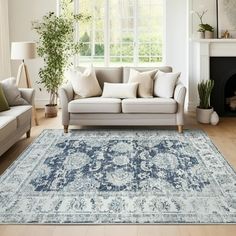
[95,105]
[149,105]
[21,113]
[8,125]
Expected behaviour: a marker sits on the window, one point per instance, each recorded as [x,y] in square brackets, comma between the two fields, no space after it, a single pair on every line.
[127,32]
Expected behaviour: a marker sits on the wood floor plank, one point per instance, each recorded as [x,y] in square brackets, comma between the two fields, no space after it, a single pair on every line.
[72,230]
[222,135]
[117,230]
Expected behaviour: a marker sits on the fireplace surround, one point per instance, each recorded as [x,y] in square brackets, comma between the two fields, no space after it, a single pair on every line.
[223,72]
[214,59]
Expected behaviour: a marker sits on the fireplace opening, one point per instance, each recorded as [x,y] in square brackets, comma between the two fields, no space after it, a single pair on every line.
[223,72]
[230,95]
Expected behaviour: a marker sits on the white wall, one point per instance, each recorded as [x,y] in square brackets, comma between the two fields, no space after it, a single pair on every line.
[210,18]
[21,14]
[5,69]
[177,37]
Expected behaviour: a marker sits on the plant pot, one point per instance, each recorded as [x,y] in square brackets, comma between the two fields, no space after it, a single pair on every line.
[51,111]
[209,35]
[204,115]
[201,35]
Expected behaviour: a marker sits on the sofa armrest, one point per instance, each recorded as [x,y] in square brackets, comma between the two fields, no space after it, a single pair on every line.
[66,95]
[28,94]
[179,96]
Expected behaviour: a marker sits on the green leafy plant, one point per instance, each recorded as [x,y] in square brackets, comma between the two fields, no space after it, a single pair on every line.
[204,91]
[56,45]
[203,27]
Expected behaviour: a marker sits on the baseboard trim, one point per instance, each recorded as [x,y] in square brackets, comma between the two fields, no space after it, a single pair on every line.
[40,103]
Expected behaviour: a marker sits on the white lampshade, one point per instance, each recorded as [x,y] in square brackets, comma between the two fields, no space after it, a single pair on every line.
[23,50]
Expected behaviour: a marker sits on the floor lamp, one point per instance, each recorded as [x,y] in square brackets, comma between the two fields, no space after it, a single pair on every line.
[22,51]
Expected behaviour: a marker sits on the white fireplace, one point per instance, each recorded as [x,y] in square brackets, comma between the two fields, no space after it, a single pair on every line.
[199,69]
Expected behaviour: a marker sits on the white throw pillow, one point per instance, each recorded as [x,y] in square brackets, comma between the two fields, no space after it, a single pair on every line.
[84,84]
[12,93]
[145,81]
[120,90]
[164,84]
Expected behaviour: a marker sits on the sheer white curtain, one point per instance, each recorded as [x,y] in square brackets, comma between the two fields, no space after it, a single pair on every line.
[5,69]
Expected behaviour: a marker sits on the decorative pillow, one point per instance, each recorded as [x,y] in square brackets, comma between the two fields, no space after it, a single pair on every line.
[120,90]
[164,84]
[3,101]
[84,84]
[145,80]
[12,93]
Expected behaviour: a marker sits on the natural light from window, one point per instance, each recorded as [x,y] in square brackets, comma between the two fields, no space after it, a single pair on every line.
[121,32]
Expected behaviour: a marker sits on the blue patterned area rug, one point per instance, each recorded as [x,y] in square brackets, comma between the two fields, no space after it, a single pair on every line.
[119,176]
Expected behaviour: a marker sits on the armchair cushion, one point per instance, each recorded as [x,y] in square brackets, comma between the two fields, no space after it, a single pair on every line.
[12,93]
[8,126]
[28,94]
[3,101]
[21,113]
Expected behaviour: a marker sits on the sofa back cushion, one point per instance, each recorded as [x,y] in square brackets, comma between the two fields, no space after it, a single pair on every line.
[84,84]
[165,83]
[126,70]
[120,90]
[107,74]
[145,82]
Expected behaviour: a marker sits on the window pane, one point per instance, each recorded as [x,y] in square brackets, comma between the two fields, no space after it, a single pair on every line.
[99,50]
[99,36]
[92,33]
[150,30]
[115,49]
[127,49]
[121,30]
[133,33]
[86,49]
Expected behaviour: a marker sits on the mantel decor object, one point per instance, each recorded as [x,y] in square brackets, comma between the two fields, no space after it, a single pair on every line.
[226,18]
[205,30]
[214,118]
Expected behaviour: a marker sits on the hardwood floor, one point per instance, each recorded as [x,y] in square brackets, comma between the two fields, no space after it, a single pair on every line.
[222,135]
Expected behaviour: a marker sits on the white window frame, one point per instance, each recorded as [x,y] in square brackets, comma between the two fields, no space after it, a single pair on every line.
[107,34]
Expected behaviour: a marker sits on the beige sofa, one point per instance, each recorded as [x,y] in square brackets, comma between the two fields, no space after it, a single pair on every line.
[98,111]
[16,121]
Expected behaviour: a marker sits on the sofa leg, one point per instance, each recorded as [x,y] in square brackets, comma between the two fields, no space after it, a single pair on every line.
[66,128]
[180,128]
[28,134]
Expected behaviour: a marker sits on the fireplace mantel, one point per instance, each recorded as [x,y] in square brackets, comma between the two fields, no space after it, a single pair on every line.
[202,50]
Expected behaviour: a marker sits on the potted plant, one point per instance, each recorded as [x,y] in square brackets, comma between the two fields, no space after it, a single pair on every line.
[204,110]
[208,30]
[56,45]
[205,30]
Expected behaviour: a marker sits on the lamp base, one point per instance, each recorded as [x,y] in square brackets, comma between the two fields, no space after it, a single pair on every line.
[22,68]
